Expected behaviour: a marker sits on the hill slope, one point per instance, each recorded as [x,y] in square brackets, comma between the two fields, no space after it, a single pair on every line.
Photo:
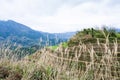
[21,34]
[93,35]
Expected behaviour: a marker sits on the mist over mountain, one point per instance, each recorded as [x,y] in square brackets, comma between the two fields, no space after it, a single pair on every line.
[117,30]
[21,34]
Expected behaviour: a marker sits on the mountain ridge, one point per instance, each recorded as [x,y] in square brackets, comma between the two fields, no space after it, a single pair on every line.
[24,35]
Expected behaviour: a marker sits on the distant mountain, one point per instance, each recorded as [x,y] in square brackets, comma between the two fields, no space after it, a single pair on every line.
[14,32]
[12,28]
[66,35]
[117,29]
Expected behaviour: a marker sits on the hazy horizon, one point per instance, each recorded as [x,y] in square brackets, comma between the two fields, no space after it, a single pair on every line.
[57,16]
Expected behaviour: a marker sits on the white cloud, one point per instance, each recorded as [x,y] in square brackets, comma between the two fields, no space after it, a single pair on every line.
[61,15]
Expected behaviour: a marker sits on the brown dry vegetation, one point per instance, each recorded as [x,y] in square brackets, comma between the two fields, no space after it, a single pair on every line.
[100,61]
[92,61]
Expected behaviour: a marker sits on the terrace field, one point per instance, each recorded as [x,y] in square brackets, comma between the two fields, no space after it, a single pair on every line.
[89,55]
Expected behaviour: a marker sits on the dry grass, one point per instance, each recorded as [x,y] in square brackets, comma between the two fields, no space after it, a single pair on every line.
[81,62]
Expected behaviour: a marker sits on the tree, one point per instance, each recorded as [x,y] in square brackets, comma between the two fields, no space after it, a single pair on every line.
[112,32]
[92,32]
[85,31]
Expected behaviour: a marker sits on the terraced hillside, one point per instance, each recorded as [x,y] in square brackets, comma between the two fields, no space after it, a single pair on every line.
[83,61]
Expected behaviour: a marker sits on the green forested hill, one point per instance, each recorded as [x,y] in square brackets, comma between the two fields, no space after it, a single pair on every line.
[92,35]
[18,33]
[15,36]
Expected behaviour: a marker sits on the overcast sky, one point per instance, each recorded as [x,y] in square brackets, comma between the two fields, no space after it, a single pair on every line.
[61,15]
